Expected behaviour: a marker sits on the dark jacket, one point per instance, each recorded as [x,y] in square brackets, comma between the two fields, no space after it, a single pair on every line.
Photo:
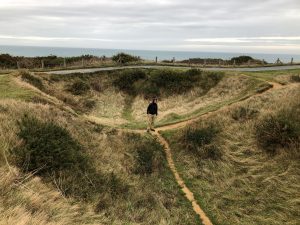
[152,109]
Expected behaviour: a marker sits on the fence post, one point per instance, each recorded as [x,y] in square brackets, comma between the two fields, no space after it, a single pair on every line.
[82,64]
[173,60]
[18,65]
[233,63]
[156,59]
[189,61]
[292,61]
[219,62]
[65,63]
[42,63]
[204,63]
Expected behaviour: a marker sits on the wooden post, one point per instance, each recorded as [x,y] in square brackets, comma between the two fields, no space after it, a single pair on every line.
[219,62]
[173,60]
[204,63]
[249,62]
[43,65]
[189,61]
[263,62]
[233,63]
[18,65]
[82,64]
[292,61]
[65,63]
[156,59]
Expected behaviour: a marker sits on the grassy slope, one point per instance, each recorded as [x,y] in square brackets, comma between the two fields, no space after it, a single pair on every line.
[246,186]
[9,89]
[151,199]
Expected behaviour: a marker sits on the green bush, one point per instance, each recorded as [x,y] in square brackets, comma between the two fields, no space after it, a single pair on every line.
[47,147]
[33,80]
[281,130]
[164,82]
[125,58]
[51,152]
[79,87]
[200,141]
[127,78]
[148,157]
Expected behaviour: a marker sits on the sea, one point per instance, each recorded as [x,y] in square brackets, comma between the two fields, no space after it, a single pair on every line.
[32,51]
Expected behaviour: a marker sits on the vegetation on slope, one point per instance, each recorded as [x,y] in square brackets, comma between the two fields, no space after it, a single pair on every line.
[247,184]
[87,170]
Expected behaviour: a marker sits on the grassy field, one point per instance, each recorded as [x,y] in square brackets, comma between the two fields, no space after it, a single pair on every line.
[65,160]
[236,180]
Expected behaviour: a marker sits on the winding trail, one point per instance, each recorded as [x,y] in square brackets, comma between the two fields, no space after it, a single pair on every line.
[188,193]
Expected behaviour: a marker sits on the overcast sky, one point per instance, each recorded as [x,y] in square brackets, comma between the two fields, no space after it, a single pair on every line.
[265,26]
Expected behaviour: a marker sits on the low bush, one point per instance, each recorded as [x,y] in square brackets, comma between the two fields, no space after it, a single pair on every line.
[51,152]
[200,141]
[89,104]
[33,80]
[165,82]
[295,78]
[125,58]
[47,147]
[79,87]
[243,113]
[148,157]
[281,130]
[127,78]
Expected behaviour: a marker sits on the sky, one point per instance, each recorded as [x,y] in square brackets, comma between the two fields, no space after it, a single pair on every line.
[254,26]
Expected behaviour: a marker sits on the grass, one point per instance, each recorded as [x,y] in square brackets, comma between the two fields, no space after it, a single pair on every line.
[246,186]
[9,89]
[119,162]
[274,76]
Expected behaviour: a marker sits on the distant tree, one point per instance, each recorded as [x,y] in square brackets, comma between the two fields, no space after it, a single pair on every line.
[125,58]
[241,59]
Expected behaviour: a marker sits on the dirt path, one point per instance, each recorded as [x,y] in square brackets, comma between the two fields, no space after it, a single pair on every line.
[189,195]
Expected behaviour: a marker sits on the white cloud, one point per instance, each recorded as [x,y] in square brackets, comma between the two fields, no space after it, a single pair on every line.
[152,24]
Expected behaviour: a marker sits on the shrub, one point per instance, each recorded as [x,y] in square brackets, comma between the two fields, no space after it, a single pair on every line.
[47,147]
[241,59]
[279,130]
[199,141]
[79,87]
[50,151]
[125,58]
[127,78]
[148,157]
[295,78]
[243,113]
[33,80]
[89,103]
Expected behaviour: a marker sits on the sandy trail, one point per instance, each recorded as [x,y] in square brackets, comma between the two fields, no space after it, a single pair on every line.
[189,195]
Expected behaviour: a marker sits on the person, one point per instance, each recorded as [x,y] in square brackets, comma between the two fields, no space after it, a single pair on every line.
[152,113]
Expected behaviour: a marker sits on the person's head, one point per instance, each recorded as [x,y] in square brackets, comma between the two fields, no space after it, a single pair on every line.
[154,100]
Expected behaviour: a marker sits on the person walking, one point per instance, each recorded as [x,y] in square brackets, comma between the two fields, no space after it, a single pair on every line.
[152,113]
